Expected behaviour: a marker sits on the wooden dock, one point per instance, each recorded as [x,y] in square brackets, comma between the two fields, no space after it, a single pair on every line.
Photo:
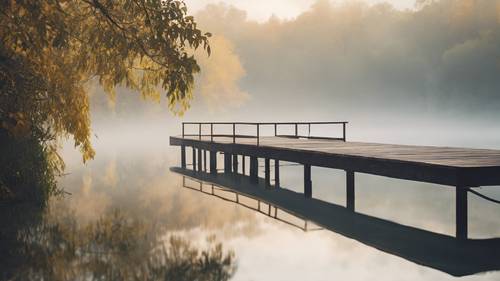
[461,168]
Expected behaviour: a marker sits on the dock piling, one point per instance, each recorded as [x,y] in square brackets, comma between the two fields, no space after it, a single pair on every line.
[461,212]
[350,192]
[307,181]
[276,173]
[183,156]
[267,171]
[243,168]
[213,162]
[254,169]
[205,160]
[227,162]
[200,160]
[235,163]
[194,158]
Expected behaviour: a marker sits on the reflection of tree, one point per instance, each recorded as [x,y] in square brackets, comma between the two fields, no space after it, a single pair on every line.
[116,248]
[14,216]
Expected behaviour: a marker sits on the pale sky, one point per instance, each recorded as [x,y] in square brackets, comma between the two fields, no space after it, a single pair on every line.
[261,10]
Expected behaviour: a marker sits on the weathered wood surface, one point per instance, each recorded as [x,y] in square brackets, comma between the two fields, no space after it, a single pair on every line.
[445,156]
[442,165]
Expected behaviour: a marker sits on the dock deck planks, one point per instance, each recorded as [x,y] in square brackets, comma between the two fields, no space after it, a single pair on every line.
[444,156]
[444,165]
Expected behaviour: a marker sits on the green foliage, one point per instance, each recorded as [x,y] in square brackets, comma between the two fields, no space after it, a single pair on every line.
[51,50]
[27,174]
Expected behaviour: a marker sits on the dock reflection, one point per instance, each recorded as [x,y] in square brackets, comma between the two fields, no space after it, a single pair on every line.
[252,203]
[442,252]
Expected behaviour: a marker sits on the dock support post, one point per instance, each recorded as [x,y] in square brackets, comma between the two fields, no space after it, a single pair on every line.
[227,162]
[461,212]
[194,158]
[200,160]
[183,156]
[243,168]
[254,169]
[276,173]
[307,181]
[267,171]
[235,163]
[213,162]
[350,191]
[205,160]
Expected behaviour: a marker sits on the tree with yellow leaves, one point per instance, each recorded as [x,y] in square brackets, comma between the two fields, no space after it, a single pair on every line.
[51,50]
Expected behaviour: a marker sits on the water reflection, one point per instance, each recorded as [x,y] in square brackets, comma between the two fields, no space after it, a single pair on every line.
[134,187]
[115,247]
[253,203]
[438,251]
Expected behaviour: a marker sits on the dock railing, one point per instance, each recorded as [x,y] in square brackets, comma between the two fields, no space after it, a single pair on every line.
[234,135]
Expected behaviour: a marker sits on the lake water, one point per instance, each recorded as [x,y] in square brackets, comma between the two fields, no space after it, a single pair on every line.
[128,217]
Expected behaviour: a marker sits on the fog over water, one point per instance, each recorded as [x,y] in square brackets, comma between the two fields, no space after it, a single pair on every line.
[396,75]
[429,75]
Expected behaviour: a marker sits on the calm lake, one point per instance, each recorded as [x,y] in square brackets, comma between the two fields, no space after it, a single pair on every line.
[126,216]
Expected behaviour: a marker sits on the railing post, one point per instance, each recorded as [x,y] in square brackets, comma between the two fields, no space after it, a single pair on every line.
[199,131]
[258,133]
[275,129]
[182,129]
[212,132]
[309,130]
[234,132]
[296,129]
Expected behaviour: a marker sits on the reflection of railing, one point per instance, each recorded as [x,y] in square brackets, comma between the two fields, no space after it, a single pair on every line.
[443,252]
[234,135]
[305,225]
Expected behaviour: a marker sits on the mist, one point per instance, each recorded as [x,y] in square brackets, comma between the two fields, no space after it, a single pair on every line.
[355,59]
[427,75]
